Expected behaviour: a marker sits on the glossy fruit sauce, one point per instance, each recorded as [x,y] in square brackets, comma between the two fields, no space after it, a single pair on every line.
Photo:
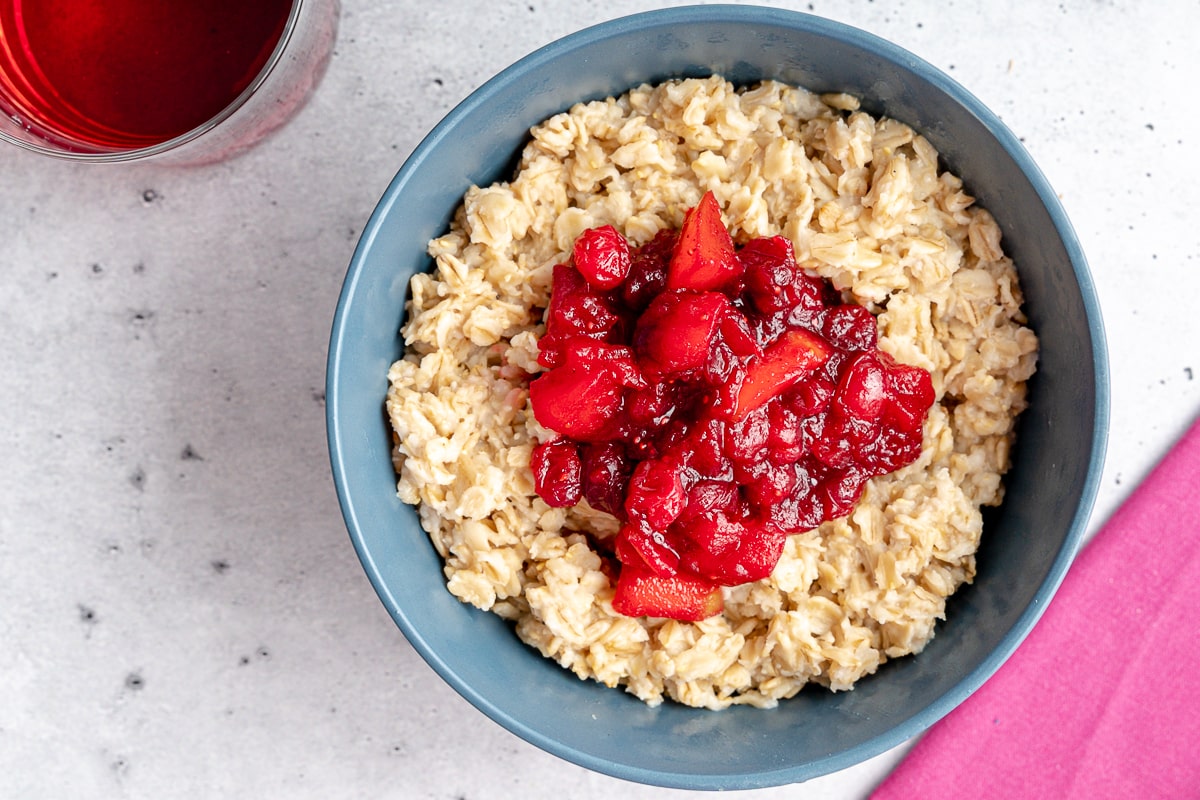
[715,400]
[131,73]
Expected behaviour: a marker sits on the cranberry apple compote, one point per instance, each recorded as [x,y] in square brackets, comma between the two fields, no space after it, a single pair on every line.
[715,401]
[720,477]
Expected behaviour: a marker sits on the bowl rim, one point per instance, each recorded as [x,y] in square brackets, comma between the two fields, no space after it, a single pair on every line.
[891,52]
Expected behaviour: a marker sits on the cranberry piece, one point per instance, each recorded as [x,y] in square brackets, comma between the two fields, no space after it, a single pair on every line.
[653,405]
[770,270]
[618,359]
[656,493]
[783,295]
[840,438]
[758,553]
[575,402]
[842,491]
[851,328]
[862,391]
[708,495]
[812,395]
[748,472]
[801,512]
[647,411]
[639,545]
[737,334]
[648,270]
[776,482]
[714,533]
[576,310]
[785,443]
[910,397]
[606,471]
[895,448]
[556,472]
[583,396]
[602,256]
[676,333]
[748,437]
[730,552]
[702,450]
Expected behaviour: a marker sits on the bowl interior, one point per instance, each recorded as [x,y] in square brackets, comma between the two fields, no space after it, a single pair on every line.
[1029,541]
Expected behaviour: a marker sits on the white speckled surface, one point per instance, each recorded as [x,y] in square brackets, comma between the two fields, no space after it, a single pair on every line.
[181,613]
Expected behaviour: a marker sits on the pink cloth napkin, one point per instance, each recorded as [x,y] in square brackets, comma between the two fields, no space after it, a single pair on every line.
[1102,699]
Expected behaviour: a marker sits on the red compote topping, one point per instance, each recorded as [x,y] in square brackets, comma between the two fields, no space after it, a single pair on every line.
[714,400]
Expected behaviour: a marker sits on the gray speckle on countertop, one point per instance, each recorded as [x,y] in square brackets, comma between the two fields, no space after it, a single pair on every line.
[181,612]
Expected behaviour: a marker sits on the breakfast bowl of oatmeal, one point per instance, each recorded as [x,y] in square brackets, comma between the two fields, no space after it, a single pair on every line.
[717,397]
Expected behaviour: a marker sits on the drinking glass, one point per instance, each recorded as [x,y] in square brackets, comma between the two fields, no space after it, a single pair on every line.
[180,81]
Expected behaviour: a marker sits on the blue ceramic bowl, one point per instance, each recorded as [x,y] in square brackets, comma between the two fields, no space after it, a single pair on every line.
[1029,542]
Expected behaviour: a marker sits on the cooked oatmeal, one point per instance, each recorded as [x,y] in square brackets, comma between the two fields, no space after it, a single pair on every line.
[865,205]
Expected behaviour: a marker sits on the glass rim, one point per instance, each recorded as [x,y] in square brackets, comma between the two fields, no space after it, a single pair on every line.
[175,142]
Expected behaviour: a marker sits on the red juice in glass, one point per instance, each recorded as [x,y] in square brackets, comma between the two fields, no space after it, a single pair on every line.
[120,75]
